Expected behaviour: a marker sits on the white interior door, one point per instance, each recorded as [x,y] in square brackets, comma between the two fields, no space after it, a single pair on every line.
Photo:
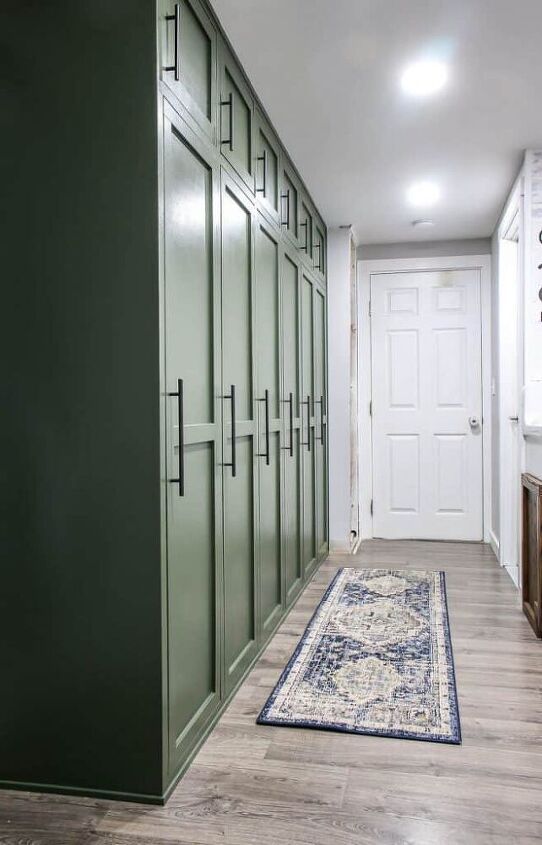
[427,405]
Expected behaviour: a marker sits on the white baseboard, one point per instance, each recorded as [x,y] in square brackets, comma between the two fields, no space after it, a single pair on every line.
[494,543]
[513,572]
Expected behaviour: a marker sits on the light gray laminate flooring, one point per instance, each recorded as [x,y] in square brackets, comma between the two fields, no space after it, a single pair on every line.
[261,785]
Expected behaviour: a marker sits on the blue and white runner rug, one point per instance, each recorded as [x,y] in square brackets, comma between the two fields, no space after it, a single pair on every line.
[376,658]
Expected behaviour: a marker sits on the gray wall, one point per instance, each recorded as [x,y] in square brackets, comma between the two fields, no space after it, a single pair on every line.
[425,249]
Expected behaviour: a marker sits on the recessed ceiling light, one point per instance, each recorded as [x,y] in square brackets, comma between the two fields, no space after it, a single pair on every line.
[424,78]
[423,193]
[422,224]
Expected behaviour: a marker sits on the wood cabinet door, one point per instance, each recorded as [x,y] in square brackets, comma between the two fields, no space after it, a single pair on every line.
[193,446]
[267,167]
[269,423]
[291,424]
[236,117]
[307,426]
[188,58]
[320,426]
[240,434]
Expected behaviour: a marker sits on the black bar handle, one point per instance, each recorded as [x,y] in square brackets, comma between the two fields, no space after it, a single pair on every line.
[307,402]
[290,447]
[263,189]
[180,405]
[305,246]
[176,67]
[229,102]
[285,196]
[233,462]
[318,246]
[266,454]
[320,402]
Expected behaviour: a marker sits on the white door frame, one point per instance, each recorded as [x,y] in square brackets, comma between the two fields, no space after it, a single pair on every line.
[368,268]
[513,212]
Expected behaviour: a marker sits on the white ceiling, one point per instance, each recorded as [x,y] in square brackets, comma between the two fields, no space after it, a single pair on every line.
[327,72]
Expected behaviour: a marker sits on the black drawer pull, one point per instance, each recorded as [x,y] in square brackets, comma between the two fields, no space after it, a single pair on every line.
[176,67]
[307,402]
[263,189]
[229,103]
[180,404]
[285,222]
[233,462]
[266,454]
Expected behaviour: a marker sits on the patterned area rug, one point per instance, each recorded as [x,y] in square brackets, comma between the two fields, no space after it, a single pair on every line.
[376,658]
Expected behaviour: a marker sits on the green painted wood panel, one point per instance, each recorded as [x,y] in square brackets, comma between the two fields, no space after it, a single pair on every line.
[236,117]
[320,389]
[193,40]
[240,528]
[307,426]
[268,379]
[193,554]
[267,151]
[291,349]
[289,206]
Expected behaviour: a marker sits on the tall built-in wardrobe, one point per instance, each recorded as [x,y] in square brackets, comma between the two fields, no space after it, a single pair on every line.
[167,482]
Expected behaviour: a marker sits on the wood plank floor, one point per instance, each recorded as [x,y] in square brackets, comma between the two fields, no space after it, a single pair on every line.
[262,785]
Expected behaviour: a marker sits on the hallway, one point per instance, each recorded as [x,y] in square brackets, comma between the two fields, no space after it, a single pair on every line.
[258,784]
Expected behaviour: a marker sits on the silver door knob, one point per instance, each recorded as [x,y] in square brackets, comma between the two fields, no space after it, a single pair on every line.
[513,419]
[474,422]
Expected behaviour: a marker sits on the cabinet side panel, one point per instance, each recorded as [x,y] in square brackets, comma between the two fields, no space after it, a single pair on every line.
[80,426]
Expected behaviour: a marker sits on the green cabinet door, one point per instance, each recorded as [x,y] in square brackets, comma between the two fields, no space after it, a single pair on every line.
[305,232]
[320,428]
[319,251]
[188,59]
[307,426]
[269,423]
[240,436]
[193,447]
[266,167]
[291,450]
[289,205]
[236,116]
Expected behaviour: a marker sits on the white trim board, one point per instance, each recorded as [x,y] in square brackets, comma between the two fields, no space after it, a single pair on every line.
[366,269]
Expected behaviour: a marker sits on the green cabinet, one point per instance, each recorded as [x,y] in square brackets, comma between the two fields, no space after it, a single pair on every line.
[268,396]
[291,425]
[193,445]
[188,59]
[171,503]
[289,211]
[307,425]
[240,433]
[320,424]
[236,118]
[267,166]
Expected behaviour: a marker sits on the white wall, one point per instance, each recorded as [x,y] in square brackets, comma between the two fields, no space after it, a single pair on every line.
[425,249]
[338,262]
[532,223]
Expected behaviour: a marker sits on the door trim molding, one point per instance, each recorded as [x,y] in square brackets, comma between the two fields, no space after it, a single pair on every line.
[368,268]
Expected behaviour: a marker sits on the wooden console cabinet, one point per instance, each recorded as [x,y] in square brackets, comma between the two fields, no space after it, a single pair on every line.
[532,551]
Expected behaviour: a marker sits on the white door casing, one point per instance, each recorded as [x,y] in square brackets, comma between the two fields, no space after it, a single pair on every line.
[427,404]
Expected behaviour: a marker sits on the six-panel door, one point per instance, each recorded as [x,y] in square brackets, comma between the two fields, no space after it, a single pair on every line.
[192,416]
[269,424]
[240,434]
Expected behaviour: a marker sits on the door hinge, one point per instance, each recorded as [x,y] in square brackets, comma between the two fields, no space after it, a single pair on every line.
[371,408]
[370,312]
[372,507]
